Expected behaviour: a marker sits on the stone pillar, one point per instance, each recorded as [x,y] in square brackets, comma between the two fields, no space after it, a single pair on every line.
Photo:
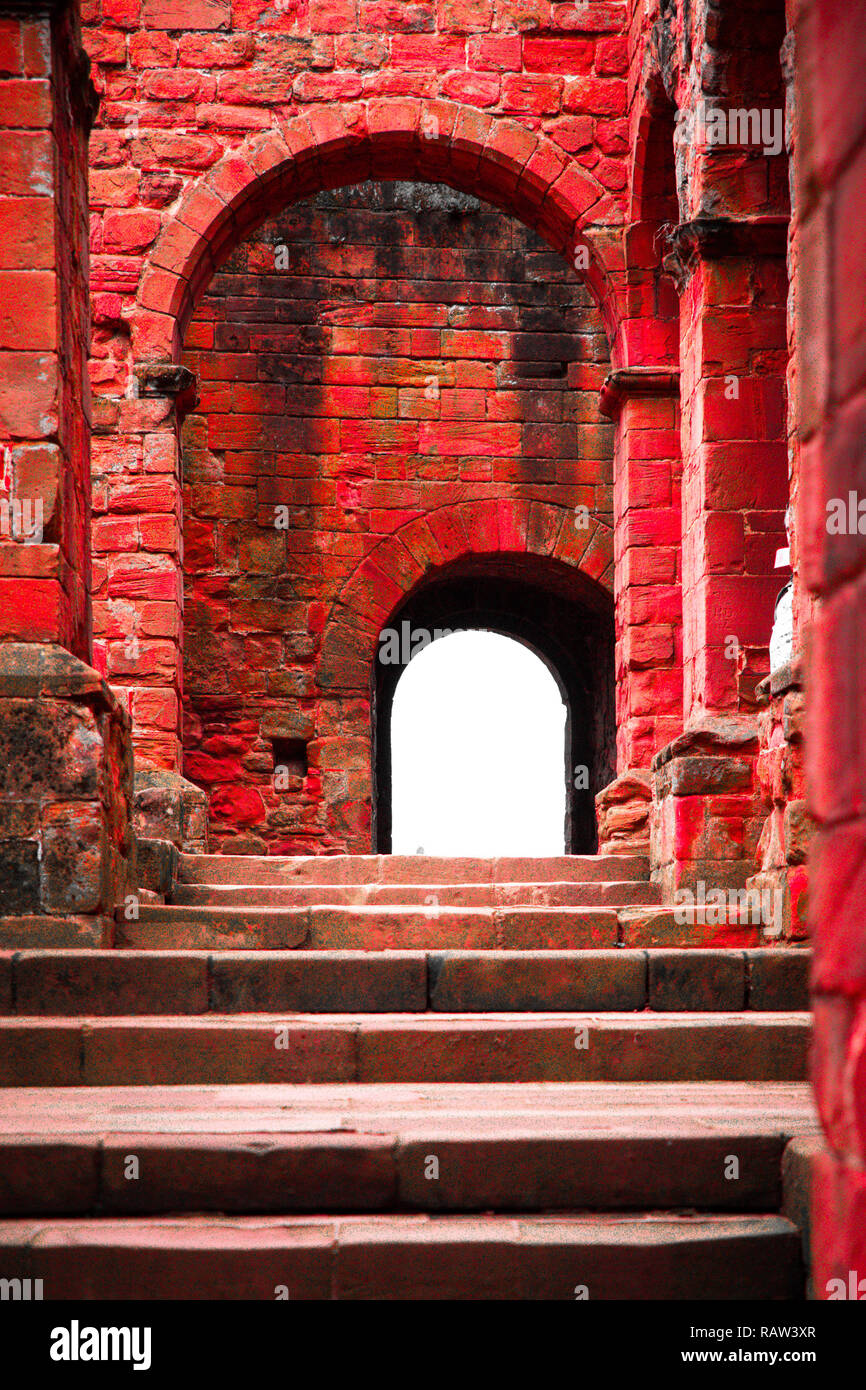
[706,820]
[831,184]
[784,845]
[707,813]
[66,844]
[733,287]
[643,402]
[138,555]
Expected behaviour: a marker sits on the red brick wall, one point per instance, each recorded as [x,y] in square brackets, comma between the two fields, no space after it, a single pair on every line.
[421,351]
[44,326]
[540,94]
[831,148]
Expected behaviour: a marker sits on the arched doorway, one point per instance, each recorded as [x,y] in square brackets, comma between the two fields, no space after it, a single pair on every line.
[465,780]
[565,620]
[353,439]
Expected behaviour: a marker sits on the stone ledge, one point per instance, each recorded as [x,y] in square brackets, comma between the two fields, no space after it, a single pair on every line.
[779,682]
[31,672]
[738,733]
[719,238]
[165,380]
[32,932]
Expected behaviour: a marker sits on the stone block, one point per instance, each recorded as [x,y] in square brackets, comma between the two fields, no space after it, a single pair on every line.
[65,791]
[168,807]
[695,776]
[156,865]
[696,981]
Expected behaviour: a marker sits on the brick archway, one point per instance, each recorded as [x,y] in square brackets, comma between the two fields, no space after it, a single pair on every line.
[435,569]
[498,159]
[414,553]
[523,173]
[556,611]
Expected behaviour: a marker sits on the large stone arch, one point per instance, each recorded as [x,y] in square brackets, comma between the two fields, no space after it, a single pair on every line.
[522,172]
[498,159]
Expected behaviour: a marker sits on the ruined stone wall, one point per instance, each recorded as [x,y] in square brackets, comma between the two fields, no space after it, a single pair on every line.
[65,752]
[831,185]
[45,109]
[369,359]
[509,98]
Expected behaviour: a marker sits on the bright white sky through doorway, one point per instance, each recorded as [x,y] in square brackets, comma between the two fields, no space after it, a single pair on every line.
[478,751]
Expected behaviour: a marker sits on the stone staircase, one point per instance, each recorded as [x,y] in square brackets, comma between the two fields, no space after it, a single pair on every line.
[380,1077]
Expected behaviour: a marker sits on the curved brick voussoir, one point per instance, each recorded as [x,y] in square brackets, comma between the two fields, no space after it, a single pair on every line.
[415,552]
[507,153]
[495,157]
[346,658]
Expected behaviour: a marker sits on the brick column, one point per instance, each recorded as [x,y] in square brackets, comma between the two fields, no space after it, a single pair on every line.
[733,287]
[643,402]
[138,560]
[65,755]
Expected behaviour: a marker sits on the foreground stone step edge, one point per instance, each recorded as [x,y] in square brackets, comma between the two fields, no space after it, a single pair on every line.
[409,1257]
[403,1048]
[111,982]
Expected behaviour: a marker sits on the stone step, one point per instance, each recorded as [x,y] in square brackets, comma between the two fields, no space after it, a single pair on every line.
[367,928]
[286,1149]
[420,895]
[650,1256]
[279,1048]
[105,982]
[407,869]
[435,928]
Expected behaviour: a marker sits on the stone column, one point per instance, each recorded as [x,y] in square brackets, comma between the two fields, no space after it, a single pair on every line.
[66,844]
[707,817]
[138,556]
[733,286]
[643,402]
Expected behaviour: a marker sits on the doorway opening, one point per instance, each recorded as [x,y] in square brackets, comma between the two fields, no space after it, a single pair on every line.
[564,623]
[477,750]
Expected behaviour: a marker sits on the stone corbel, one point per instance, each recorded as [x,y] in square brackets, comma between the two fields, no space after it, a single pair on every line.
[167,379]
[628,382]
[718,238]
